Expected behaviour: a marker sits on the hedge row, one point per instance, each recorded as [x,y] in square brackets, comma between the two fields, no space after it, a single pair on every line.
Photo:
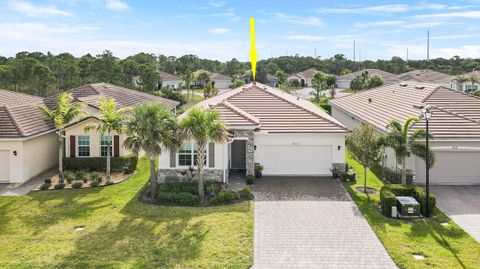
[125,164]
[394,177]
[182,198]
[389,193]
[327,108]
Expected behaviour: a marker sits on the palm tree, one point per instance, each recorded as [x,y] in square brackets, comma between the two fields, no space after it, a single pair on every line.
[64,113]
[403,142]
[461,80]
[110,120]
[152,129]
[473,80]
[202,126]
[187,78]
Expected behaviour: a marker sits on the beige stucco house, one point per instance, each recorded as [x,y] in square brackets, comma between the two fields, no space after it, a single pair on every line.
[28,140]
[304,77]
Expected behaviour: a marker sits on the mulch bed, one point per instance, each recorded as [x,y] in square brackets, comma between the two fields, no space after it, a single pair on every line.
[369,190]
[114,177]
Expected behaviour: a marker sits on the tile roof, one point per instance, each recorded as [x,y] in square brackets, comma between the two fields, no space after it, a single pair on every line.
[217,76]
[455,114]
[426,75]
[168,77]
[271,110]
[309,73]
[386,76]
[475,74]
[15,98]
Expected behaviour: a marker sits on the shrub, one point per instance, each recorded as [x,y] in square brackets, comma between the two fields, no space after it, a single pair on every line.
[182,198]
[395,177]
[59,186]
[178,187]
[169,93]
[109,182]
[389,193]
[326,107]
[237,83]
[250,179]
[69,180]
[77,185]
[226,196]
[124,164]
[48,181]
[246,192]
[95,176]
[94,183]
[45,186]
[79,175]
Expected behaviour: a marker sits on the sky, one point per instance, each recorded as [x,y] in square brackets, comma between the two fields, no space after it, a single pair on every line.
[219,30]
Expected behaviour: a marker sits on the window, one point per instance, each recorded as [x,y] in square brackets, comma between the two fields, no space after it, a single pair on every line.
[188,155]
[83,146]
[470,88]
[105,141]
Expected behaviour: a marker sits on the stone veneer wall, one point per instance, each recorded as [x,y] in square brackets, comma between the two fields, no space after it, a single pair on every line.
[208,174]
[339,166]
[250,161]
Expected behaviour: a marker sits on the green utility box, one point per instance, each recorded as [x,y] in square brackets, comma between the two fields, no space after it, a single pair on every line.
[408,207]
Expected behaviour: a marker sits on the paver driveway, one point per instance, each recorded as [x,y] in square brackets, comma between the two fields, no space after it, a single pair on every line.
[461,204]
[311,223]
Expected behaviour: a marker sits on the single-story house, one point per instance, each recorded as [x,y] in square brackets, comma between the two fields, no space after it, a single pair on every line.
[428,76]
[343,81]
[167,80]
[271,80]
[455,125]
[285,134]
[467,86]
[28,140]
[304,77]
[220,81]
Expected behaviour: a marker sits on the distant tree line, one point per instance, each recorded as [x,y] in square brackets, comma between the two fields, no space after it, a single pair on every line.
[44,74]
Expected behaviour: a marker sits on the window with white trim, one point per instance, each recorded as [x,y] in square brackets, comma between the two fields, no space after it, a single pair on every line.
[188,155]
[105,141]
[471,88]
[83,145]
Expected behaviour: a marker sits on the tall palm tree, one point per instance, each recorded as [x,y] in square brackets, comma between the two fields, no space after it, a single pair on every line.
[152,129]
[473,80]
[202,126]
[110,120]
[403,142]
[64,113]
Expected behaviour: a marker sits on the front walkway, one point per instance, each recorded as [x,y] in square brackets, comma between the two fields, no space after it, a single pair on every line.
[17,189]
[311,223]
[461,204]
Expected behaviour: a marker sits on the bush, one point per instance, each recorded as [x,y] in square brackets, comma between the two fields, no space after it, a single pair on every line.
[124,164]
[77,185]
[178,187]
[94,183]
[48,181]
[389,193]
[79,175]
[95,176]
[395,177]
[45,186]
[226,196]
[69,180]
[182,198]
[237,83]
[250,179]
[109,182]
[326,107]
[59,186]
[246,192]
[169,93]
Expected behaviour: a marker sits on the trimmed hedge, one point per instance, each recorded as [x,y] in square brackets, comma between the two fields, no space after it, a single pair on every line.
[389,193]
[394,177]
[125,164]
[226,196]
[182,198]
[326,107]
[178,187]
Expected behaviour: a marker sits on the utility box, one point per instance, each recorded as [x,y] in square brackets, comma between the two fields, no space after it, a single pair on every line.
[408,207]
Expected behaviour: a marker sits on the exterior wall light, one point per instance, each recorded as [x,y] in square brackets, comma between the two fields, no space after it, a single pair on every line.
[14,153]
[339,147]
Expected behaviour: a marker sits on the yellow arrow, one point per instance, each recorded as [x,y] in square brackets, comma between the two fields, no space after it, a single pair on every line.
[253,51]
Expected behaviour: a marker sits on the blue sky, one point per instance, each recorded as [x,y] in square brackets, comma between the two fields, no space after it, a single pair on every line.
[220,29]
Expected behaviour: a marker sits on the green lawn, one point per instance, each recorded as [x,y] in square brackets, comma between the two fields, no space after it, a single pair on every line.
[37,231]
[190,102]
[348,91]
[445,247]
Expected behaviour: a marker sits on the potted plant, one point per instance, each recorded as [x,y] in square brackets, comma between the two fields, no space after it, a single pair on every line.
[258,170]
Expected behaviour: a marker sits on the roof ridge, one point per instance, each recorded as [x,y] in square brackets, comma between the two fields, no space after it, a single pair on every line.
[243,113]
[455,114]
[326,117]
[12,118]
[430,94]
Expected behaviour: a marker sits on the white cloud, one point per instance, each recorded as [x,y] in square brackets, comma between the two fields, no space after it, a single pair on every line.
[116,5]
[306,37]
[378,23]
[32,10]
[311,21]
[219,31]
[388,9]
[452,15]
[228,13]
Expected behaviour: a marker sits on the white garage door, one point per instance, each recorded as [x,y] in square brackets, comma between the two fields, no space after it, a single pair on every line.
[451,168]
[4,165]
[295,160]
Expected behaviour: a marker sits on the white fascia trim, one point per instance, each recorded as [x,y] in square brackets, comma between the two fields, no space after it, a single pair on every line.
[20,139]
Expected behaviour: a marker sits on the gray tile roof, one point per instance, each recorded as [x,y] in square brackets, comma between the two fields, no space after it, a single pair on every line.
[16,98]
[455,114]
[386,76]
[273,111]
[426,75]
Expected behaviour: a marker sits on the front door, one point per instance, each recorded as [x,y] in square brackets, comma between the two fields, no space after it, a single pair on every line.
[239,154]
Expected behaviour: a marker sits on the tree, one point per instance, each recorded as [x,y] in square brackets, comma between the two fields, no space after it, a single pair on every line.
[476,93]
[357,84]
[365,147]
[64,113]
[150,78]
[461,80]
[209,90]
[110,120]
[187,78]
[202,77]
[281,76]
[374,81]
[152,129]
[403,142]
[202,126]
[472,79]
[319,85]
[331,82]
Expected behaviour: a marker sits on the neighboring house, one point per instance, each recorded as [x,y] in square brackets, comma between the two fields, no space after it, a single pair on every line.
[28,140]
[285,134]
[271,79]
[428,76]
[28,143]
[220,81]
[167,80]
[455,125]
[467,86]
[343,81]
[304,77]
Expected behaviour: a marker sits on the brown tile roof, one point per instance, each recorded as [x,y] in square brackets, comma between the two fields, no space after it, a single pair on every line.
[274,110]
[16,98]
[426,75]
[386,76]
[168,77]
[476,74]
[91,94]
[217,76]
[309,73]
[455,114]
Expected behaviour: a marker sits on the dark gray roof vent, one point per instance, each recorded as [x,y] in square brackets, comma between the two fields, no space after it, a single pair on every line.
[419,87]
[369,100]
[403,84]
